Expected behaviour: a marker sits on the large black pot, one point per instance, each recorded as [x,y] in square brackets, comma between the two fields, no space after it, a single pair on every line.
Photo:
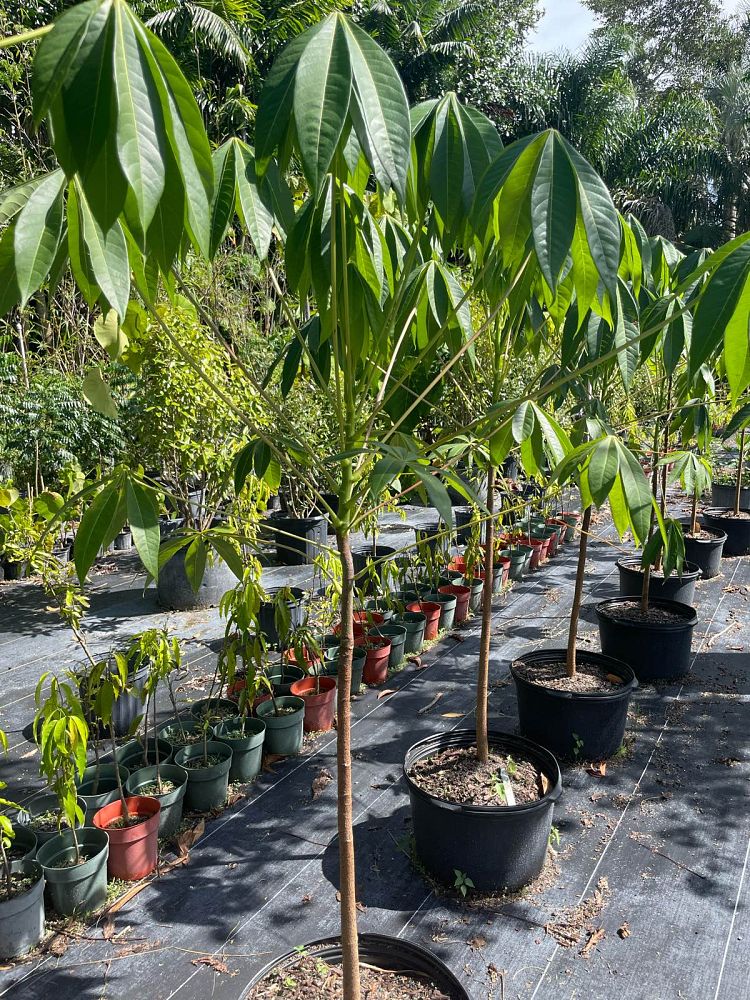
[724,496]
[736,529]
[363,555]
[299,540]
[705,552]
[390,953]
[267,612]
[654,650]
[498,847]
[125,709]
[174,590]
[670,588]
[574,724]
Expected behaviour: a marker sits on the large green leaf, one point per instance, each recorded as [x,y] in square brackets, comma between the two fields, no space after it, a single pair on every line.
[98,527]
[108,257]
[140,122]
[14,198]
[379,110]
[143,518]
[96,392]
[321,99]
[195,562]
[603,468]
[554,206]
[222,206]
[37,234]
[717,305]
[253,203]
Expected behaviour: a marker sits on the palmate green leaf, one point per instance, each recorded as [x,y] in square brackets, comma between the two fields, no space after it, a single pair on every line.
[637,492]
[737,345]
[228,551]
[108,258]
[383,473]
[718,306]
[739,421]
[554,207]
[603,468]
[9,292]
[140,120]
[96,392]
[494,179]
[222,206]
[100,523]
[379,109]
[253,202]
[143,518]
[322,92]
[627,332]
[37,234]
[436,492]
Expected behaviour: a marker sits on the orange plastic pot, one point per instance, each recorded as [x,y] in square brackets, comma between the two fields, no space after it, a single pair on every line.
[320,707]
[367,619]
[359,629]
[133,850]
[503,561]
[462,595]
[432,616]
[289,656]
[378,653]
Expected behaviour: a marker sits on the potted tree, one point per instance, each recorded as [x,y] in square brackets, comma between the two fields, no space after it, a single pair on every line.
[704,546]
[734,521]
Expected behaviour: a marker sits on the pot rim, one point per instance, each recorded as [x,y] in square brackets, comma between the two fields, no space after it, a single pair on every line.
[618,667]
[688,613]
[718,535]
[466,737]
[214,747]
[725,514]
[687,574]
[178,773]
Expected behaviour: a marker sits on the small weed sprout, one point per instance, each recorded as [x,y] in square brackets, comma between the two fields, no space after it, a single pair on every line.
[463,883]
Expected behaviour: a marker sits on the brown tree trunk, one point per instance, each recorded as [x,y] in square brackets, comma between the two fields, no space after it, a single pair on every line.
[738,487]
[483,674]
[347,871]
[575,612]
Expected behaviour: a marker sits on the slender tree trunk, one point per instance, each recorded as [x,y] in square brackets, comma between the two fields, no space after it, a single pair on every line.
[483,673]
[575,612]
[694,516]
[654,488]
[738,487]
[347,870]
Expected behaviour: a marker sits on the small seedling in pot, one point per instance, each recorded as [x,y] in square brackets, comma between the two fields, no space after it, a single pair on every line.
[499,788]
[511,767]
[463,883]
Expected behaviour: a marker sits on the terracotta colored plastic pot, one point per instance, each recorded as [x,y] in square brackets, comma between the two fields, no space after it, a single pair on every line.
[378,653]
[368,618]
[133,850]
[289,656]
[503,561]
[462,595]
[320,708]
[432,616]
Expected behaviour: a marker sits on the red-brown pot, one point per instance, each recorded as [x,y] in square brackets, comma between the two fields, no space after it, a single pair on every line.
[538,545]
[289,656]
[359,629]
[462,595]
[503,561]
[368,619]
[432,615]
[378,652]
[320,709]
[133,850]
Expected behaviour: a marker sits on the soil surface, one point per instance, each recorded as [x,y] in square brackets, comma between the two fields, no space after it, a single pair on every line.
[314,979]
[46,821]
[456,775]
[186,740]
[120,823]
[703,536]
[654,615]
[19,885]
[588,677]
[199,763]
[152,788]
[743,515]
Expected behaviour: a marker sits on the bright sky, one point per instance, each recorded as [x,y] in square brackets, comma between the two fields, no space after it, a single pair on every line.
[567,23]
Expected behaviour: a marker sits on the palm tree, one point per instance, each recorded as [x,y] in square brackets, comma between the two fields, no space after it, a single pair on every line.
[424,38]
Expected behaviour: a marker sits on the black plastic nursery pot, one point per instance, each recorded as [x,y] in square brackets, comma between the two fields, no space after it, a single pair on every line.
[76,888]
[299,540]
[247,749]
[267,612]
[206,786]
[392,954]
[573,724]
[22,917]
[654,650]
[737,529]
[705,552]
[363,555]
[724,496]
[170,814]
[670,588]
[174,590]
[498,847]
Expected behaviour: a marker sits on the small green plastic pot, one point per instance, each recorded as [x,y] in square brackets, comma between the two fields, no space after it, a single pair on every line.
[104,772]
[97,793]
[131,755]
[170,814]
[247,750]
[24,839]
[359,658]
[38,807]
[206,786]
[477,589]
[447,604]
[171,732]
[76,888]
[217,709]
[22,916]
[517,565]
[283,732]
[283,675]
[397,634]
[414,622]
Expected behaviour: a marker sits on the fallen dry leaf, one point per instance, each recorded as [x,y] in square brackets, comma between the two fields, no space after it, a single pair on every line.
[451,715]
[614,679]
[597,770]
[270,759]
[430,704]
[185,841]
[213,963]
[320,782]
[108,928]
[593,940]
[545,783]
[234,796]
[624,931]
[417,661]
[58,945]
[385,692]
[477,942]
[306,899]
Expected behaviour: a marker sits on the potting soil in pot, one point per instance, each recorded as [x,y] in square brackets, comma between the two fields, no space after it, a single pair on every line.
[654,615]
[455,775]
[588,678]
[121,823]
[312,978]
[199,763]
[20,882]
